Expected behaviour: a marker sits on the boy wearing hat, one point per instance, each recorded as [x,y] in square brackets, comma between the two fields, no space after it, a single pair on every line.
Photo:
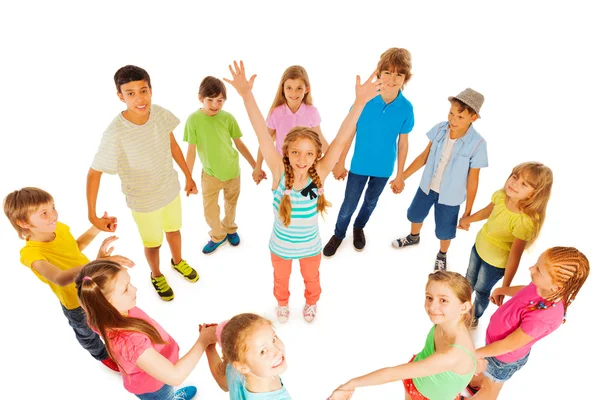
[452,160]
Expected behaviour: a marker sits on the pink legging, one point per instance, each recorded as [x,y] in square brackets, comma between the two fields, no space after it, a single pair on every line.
[309,267]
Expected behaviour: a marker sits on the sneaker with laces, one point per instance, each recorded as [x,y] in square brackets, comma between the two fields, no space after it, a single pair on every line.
[233,238]
[283,313]
[406,241]
[110,364]
[440,263]
[162,287]
[185,393]
[359,240]
[332,246]
[310,312]
[184,269]
[212,246]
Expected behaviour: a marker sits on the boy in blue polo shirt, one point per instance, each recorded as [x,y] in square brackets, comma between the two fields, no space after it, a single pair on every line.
[381,137]
[452,161]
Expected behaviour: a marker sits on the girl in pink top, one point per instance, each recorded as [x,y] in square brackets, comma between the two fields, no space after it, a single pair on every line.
[535,311]
[147,356]
[292,107]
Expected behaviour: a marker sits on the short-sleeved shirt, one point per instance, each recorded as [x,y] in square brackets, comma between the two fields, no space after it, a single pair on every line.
[237,388]
[377,131]
[62,252]
[213,137]
[503,226]
[282,119]
[141,156]
[517,312]
[127,346]
[469,151]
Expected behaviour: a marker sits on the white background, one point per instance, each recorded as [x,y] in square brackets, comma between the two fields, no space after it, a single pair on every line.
[534,63]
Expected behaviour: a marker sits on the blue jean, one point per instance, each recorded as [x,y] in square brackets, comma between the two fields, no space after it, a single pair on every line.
[164,393]
[446,217]
[500,371]
[482,277]
[354,188]
[87,338]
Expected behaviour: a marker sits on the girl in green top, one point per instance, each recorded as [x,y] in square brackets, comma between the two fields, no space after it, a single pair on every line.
[447,363]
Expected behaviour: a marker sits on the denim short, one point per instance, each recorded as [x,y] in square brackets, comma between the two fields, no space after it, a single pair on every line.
[499,371]
[446,217]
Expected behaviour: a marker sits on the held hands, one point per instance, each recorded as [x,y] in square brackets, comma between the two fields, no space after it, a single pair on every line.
[481,365]
[239,82]
[341,393]
[397,185]
[497,298]
[258,175]
[339,171]
[105,253]
[208,334]
[190,187]
[105,223]
[465,222]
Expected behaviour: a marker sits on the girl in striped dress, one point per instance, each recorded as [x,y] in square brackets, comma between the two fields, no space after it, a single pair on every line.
[298,190]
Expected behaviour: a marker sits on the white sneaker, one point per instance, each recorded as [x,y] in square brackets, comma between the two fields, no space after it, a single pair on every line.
[310,312]
[283,313]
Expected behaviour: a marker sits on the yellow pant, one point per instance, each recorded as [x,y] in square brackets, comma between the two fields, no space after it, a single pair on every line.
[151,225]
[211,187]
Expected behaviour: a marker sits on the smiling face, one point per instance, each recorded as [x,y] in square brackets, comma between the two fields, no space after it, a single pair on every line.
[123,296]
[212,105]
[137,95]
[442,304]
[302,154]
[460,121]
[43,220]
[392,82]
[517,187]
[294,91]
[265,355]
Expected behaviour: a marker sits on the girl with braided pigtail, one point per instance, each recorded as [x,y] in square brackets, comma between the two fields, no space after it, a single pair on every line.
[298,192]
[533,312]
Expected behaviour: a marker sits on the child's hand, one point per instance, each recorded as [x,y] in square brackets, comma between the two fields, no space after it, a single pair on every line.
[258,175]
[497,298]
[464,223]
[105,223]
[367,90]
[208,334]
[481,365]
[105,253]
[239,82]
[397,185]
[340,394]
[190,187]
[339,171]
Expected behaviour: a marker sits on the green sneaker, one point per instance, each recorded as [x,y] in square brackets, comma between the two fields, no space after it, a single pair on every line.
[184,269]
[162,288]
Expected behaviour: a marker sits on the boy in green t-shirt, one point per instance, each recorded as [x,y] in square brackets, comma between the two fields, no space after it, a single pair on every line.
[211,130]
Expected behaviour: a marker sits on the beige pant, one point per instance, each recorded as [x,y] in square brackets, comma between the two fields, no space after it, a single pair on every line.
[211,187]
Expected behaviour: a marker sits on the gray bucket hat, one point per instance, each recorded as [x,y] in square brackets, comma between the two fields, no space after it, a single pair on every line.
[471,98]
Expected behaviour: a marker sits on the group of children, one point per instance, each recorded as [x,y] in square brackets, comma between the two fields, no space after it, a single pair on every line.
[99,300]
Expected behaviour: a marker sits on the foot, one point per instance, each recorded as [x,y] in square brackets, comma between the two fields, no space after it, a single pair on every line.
[233,238]
[310,312]
[440,262]
[359,240]
[184,269]
[185,393]
[110,364]
[162,288]
[332,246]
[475,323]
[212,246]
[406,241]
[283,313]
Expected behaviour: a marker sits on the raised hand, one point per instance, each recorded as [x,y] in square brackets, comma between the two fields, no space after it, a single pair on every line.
[105,253]
[208,333]
[367,90]
[239,82]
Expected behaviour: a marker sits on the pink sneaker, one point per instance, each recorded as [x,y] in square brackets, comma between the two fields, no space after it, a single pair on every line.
[310,312]
[283,313]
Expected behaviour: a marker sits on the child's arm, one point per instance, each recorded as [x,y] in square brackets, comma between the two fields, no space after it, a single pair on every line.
[244,152]
[55,274]
[190,157]
[190,185]
[258,174]
[397,184]
[512,342]
[418,162]
[514,258]
[106,223]
[160,368]
[472,184]
[497,296]
[214,362]
[339,170]
[84,240]
[244,88]
[324,143]
[484,213]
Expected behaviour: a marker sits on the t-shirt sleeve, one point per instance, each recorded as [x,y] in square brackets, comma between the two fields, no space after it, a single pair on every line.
[479,159]
[30,255]
[234,129]
[131,346]
[107,156]
[168,120]
[498,197]
[523,228]
[189,131]
[534,325]
[434,131]
[409,122]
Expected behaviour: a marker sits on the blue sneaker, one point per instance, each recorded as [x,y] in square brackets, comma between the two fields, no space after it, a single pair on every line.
[185,393]
[212,246]
[233,238]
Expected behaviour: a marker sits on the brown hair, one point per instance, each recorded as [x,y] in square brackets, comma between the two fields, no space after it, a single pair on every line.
[568,268]
[293,72]
[461,288]
[92,291]
[396,60]
[234,337]
[211,87]
[540,178]
[285,207]
[20,204]
[462,106]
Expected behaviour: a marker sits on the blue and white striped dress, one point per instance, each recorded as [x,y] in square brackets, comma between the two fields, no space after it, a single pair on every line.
[300,239]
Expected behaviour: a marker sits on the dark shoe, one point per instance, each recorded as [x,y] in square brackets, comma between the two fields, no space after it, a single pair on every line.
[359,239]
[331,246]
[406,241]
[162,288]
[212,246]
[233,238]
[440,263]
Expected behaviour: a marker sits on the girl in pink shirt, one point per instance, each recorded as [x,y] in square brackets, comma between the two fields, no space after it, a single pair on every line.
[533,312]
[147,356]
[292,107]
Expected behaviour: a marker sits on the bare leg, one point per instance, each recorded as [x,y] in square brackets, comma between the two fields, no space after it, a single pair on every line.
[415,228]
[444,245]
[477,381]
[153,257]
[407,396]
[174,240]
[489,390]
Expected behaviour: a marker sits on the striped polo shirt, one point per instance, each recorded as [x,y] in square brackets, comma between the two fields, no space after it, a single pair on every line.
[300,239]
[141,156]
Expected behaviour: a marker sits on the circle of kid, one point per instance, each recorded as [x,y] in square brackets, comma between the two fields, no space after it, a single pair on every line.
[99,300]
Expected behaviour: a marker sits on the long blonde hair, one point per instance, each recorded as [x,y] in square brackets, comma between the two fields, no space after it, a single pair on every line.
[285,207]
[293,72]
[540,178]
[234,337]
[461,288]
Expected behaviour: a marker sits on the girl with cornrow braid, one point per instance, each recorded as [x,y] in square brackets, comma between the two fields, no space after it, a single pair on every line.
[299,173]
[533,312]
